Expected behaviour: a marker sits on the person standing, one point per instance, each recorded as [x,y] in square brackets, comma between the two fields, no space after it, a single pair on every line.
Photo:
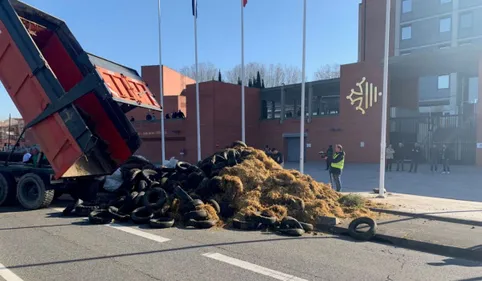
[389,155]
[336,167]
[415,158]
[400,156]
[329,157]
[434,158]
[445,156]
[278,157]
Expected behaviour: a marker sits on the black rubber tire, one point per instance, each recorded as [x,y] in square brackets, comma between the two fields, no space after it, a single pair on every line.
[215,205]
[307,227]
[182,195]
[205,224]
[292,231]
[245,225]
[164,222]
[139,200]
[155,198]
[117,215]
[290,223]
[363,236]
[198,215]
[141,215]
[239,143]
[7,189]
[84,211]
[41,199]
[182,166]
[142,185]
[264,220]
[71,207]
[100,217]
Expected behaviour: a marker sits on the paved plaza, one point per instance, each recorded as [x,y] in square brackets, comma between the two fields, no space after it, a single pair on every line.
[464,182]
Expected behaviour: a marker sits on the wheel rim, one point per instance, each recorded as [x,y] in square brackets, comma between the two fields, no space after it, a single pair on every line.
[30,191]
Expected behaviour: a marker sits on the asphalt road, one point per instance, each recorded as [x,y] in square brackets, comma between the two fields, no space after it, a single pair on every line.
[42,246]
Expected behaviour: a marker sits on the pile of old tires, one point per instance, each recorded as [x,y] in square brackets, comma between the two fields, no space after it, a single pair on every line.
[164,196]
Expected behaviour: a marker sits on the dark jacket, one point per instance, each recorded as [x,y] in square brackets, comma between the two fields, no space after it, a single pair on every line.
[416,154]
[337,159]
[445,154]
[278,157]
[434,154]
[399,153]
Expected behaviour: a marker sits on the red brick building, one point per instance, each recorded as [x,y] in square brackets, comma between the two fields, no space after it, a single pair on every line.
[433,93]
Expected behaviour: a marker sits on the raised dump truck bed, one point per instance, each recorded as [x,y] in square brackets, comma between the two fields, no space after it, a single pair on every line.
[73,102]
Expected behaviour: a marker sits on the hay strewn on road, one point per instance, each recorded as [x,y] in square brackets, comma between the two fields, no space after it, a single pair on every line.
[259,184]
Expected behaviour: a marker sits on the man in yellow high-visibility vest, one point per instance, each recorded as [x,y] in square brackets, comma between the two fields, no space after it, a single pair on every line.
[336,167]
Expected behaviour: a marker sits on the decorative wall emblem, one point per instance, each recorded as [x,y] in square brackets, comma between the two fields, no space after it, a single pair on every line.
[365,97]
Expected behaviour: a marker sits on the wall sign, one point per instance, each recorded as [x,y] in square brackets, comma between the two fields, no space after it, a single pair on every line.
[366,96]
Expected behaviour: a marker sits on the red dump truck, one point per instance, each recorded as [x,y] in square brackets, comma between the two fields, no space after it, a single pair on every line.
[74,103]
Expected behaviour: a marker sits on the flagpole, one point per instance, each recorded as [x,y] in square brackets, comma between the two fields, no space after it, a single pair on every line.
[198,121]
[243,110]
[303,78]
[161,89]
[383,142]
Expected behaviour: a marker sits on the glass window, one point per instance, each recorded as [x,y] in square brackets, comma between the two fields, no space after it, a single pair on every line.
[406,32]
[443,82]
[466,20]
[445,24]
[406,6]
[473,89]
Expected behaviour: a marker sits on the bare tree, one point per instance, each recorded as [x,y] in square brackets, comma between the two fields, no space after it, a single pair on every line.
[327,71]
[206,71]
[273,74]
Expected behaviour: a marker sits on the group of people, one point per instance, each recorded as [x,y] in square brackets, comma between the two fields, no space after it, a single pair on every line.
[151,116]
[438,155]
[335,162]
[275,154]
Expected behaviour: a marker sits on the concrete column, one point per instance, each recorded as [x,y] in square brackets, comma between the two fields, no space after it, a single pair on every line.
[455,23]
[310,102]
[478,117]
[398,11]
[282,117]
[453,92]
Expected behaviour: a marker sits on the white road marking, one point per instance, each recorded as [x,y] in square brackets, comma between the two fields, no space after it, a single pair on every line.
[8,275]
[131,230]
[253,267]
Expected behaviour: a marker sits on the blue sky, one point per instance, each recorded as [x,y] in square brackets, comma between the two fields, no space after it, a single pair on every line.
[126,31]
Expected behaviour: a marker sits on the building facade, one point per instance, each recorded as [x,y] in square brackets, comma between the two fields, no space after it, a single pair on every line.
[433,94]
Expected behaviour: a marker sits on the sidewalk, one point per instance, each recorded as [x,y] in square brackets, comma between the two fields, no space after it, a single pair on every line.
[451,228]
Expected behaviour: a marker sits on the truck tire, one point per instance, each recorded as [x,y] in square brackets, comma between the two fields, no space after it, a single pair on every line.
[7,189]
[32,192]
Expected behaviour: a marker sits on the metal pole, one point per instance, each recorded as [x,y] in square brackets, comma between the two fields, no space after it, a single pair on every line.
[383,141]
[243,110]
[303,66]
[161,89]
[198,121]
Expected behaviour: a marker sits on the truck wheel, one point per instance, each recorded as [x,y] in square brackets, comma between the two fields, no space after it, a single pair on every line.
[32,192]
[7,189]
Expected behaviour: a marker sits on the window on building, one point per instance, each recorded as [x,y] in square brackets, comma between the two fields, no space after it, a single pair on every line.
[406,32]
[473,90]
[328,105]
[406,6]
[443,82]
[445,24]
[270,109]
[466,20]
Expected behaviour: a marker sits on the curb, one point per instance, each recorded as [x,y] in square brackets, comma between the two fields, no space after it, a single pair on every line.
[427,247]
[428,216]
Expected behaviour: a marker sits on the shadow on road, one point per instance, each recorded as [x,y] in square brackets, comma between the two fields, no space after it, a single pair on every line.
[98,258]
